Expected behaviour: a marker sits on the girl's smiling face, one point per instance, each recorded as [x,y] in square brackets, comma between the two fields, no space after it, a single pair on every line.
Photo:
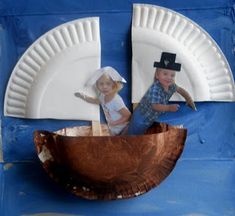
[165,77]
[105,85]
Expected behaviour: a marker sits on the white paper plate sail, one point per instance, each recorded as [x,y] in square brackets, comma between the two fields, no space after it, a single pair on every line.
[43,82]
[205,71]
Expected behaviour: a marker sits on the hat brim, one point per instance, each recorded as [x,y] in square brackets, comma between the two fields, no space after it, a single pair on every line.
[174,67]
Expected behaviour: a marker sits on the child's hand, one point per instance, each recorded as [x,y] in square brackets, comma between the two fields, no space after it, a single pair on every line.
[87,98]
[79,94]
[173,107]
[192,105]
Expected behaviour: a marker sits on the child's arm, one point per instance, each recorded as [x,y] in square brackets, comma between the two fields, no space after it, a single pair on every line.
[187,97]
[125,113]
[87,98]
[165,108]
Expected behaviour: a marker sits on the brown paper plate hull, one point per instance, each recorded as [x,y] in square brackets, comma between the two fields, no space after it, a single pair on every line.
[109,167]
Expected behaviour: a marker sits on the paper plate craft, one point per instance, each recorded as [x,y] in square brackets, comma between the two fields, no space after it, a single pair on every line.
[43,82]
[88,160]
[205,72]
[109,167]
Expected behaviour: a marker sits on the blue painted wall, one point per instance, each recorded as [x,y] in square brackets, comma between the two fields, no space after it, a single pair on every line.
[202,184]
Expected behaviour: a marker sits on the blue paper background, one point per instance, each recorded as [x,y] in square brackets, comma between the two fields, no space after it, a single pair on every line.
[202,184]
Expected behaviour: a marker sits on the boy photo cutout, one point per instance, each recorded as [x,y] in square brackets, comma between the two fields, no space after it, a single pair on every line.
[155,101]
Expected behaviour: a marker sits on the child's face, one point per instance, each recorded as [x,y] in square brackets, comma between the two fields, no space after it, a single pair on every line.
[165,77]
[105,85]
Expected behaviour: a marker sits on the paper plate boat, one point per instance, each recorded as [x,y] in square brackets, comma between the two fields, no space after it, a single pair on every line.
[109,167]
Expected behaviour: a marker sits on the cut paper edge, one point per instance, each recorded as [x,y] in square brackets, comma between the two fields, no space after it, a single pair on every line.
[53,68]
[205,71]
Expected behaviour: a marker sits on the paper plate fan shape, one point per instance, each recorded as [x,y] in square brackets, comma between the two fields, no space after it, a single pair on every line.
[205,71]
[109,167]
[43,82]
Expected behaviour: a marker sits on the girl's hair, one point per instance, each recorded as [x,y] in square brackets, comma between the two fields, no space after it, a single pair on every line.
[117,85]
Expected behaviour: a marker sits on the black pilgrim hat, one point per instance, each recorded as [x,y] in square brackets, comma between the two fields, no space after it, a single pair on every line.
[168,62]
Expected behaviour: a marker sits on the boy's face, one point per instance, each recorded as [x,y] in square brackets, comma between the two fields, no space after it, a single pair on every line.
[105,85]
[165,77]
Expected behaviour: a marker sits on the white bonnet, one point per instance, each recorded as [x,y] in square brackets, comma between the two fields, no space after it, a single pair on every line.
[114,75]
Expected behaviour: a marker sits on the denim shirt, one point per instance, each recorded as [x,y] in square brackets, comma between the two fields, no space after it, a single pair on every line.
[155,95]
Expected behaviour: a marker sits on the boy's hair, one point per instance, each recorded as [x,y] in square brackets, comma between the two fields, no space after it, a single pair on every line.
[156,71]
[117,85]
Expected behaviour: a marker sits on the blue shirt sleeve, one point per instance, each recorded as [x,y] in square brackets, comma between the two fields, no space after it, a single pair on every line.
[172,89]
